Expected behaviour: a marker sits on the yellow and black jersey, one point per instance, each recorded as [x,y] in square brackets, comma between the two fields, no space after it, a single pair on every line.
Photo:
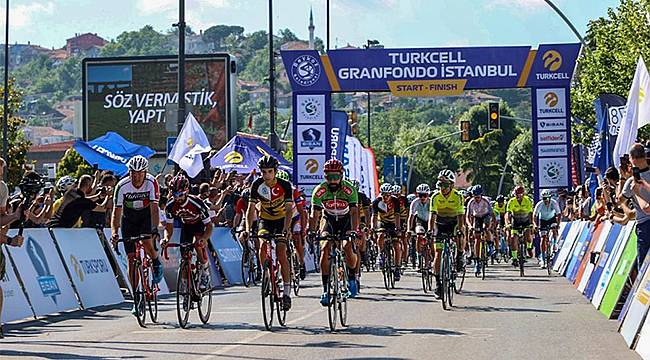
[403,208]
[271,200]
[387,211]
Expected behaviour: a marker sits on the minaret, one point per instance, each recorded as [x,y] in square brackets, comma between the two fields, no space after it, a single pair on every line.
[311,30]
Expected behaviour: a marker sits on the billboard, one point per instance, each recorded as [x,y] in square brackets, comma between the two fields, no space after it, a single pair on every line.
[131,96]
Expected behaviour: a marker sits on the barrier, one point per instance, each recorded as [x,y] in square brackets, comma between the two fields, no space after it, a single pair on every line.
[229,252]
[638,307]
[610,242]
[567,245]
[88,266]
[577,244]
[619,277]
[42,273]
[643,344]
[578,253]
[633,290]
[610,266]
[598,237]
[15,305]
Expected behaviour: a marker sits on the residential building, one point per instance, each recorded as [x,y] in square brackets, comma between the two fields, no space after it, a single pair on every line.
[88,45]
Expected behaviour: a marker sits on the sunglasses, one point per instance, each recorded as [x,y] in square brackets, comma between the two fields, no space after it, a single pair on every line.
[422,196]
[178,194]
[444,185]
[333,176]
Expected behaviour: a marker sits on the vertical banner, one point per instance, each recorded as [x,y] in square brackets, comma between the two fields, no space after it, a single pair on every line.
[15,305]
[229,253]
[339,134]
[42,272]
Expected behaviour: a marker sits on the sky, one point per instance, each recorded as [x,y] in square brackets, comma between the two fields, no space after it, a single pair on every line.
[395,23]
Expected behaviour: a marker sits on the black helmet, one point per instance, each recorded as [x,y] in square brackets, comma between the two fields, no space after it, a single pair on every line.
[268,162]
[500,198]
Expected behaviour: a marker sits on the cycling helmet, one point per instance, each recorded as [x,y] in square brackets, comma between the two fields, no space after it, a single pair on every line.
[464,193]
[267,162]
[477,190]
[282,175]
[385,188]
[423,189]
[546,194]
[519,190]
[396,189]
[355,184]
[500,198]
[410,198]
[179,184]
[447,175]
[138,163]
[333,165]
[64,182]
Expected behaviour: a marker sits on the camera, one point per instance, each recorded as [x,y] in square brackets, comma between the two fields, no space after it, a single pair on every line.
[30,185]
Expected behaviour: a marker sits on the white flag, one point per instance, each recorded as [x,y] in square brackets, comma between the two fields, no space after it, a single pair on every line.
[189,146]
[637,114]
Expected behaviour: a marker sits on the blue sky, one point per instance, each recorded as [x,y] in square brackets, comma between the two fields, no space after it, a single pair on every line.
[396,23]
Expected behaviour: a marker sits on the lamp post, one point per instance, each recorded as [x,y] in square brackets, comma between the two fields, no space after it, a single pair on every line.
[327,36]
[181,64]
[370,44]
[273,136]
[568,22]
[5,98]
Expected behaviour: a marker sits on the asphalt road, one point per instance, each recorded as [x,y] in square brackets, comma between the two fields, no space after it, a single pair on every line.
[502,317]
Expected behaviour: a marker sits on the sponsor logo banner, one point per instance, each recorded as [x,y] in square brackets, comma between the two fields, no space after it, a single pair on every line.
[15,306]
[553,172]
[305,70]
[311,139]
[229,253]
[311,109]
[552,150]
[551,124]
[427,88]
[551,137]
[310,169]
[554,64]
[551,103]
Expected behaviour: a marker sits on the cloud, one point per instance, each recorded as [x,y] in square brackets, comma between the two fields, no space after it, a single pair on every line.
[21,16]
[529,6]
[195,10]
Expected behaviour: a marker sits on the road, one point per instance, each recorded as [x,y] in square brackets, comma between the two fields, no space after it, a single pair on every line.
[504,317]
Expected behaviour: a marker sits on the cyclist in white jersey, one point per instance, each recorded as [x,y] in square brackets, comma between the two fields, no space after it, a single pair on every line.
[545,215]
[478,217]
[419,214]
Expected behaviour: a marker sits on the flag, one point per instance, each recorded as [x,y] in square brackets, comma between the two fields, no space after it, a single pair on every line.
[250,121]
[638,111]
[189,146]
[338,134]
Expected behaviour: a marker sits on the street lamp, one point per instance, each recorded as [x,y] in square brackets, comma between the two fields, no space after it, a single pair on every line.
[273,136]
[181,64]
[5,125]
[370,44]
[568,22]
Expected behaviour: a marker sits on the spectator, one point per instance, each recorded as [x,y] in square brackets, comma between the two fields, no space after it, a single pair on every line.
[583,200]
[100,218]
[638,192]
[76,201]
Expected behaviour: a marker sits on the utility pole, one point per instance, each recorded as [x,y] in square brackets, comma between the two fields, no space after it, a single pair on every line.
[328,25]
[5,124]
[181,64]
[273,136]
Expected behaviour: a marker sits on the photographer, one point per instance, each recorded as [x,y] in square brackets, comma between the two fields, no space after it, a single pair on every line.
[99,218]
[76,201]
[637,190]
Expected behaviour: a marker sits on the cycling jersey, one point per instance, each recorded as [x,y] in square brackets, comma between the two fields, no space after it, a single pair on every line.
[133,199]
[271,201]
[544,212]
[520,210]
[192,211]
[420,210]
[501,209]
[297,201]
[364,201]
[479,208]
[337,203]
[403,208]
[449,206]
[387,211]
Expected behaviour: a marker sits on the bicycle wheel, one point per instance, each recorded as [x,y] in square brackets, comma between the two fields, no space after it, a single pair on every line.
[385,271]
[333,293]
[444,278]
[522,257]
[459,280]
[392,267]
[279,306]
[245,267]
[295,276]
[152,299]
[423,273]
[252,269]
[183,294]
[139,296]
[267,298]
[343,292]
[205,303]
[484,260]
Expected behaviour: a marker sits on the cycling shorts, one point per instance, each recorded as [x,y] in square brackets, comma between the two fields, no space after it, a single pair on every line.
[190,231]
[446,226]
[421,226]
[480,222]
[273,227]
[521,225]
[389,229]
[136,224]
[546,224]
[334,226]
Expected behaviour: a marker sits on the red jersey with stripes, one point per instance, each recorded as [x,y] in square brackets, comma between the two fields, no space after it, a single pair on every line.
[192,211]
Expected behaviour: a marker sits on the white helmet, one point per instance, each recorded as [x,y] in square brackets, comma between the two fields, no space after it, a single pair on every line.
[396,189]
[410,198]
[138,163]
[423,189]
[546,193]
[385,188]
[447,175]
[65,182]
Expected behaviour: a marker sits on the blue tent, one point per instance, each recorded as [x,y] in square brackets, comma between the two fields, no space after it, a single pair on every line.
[111,152]
[241,154]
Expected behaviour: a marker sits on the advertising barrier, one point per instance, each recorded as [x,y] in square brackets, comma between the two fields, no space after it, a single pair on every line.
[15,305]
[597,248]
[610,266]
[229,253]
[41,270]
[567,245]
[643,344]
[578,253]
[605,254]
[638,309]
[619,277]
[575,250]
[635,288]
[89,269]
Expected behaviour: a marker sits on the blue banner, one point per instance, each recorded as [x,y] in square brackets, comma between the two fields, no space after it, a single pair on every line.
[338,133]
[111,152]
[241,154]
[229,253]
[395,170]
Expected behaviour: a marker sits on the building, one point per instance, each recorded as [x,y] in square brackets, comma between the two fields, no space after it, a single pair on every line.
[20,54]
[311,28]
[45,157]
[43,135]
[88,45]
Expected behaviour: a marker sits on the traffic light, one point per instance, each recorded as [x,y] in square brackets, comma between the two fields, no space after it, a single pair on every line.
[464,128]
[494,118]
[352,121]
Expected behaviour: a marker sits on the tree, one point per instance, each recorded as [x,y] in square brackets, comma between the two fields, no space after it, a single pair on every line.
[477,115]
[18,145]
[217,34]
[615,43]
[481,159]
[146,41]
[519,159]
[72,164]
[287,35]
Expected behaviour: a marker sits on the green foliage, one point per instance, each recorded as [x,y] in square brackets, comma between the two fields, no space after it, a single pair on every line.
[146,41]
[480,158]
[73,164]
[218,34]
[477,115]
[520,159]
[17,143]
[615,43]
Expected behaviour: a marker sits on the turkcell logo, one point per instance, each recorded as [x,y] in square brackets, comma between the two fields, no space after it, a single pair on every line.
[551,103]
[552,61]
[305,70]
[49,286]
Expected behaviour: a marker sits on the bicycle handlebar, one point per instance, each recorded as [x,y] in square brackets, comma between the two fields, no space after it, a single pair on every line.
[129,239]
[196,245]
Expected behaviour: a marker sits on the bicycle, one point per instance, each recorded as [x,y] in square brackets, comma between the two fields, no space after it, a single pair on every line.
[294,265]
[314,249]
[447,271]
[271,293]
[371,255]
[144,292]
[550,252]
[388,267]
[248,262]
[482,255]
[520,233]
[424,265]
[188,290]
[337,289]
[413,252]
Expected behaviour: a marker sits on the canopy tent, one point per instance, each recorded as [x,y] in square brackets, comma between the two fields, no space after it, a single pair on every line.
[241,154]
[111,152]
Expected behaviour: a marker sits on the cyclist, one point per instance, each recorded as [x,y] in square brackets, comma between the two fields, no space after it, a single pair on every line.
[298,222]
[403,220]
[446,217]
[338,200]
[519,212]
[136,211]
[364,216]
[385,218]
[195,220]
[546,214]
[273,199]
[419,214]
[500,209]
[478,217]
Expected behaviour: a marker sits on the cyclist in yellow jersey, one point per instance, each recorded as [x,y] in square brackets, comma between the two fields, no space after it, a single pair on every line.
[446,216]
[519,213]
[500,209]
